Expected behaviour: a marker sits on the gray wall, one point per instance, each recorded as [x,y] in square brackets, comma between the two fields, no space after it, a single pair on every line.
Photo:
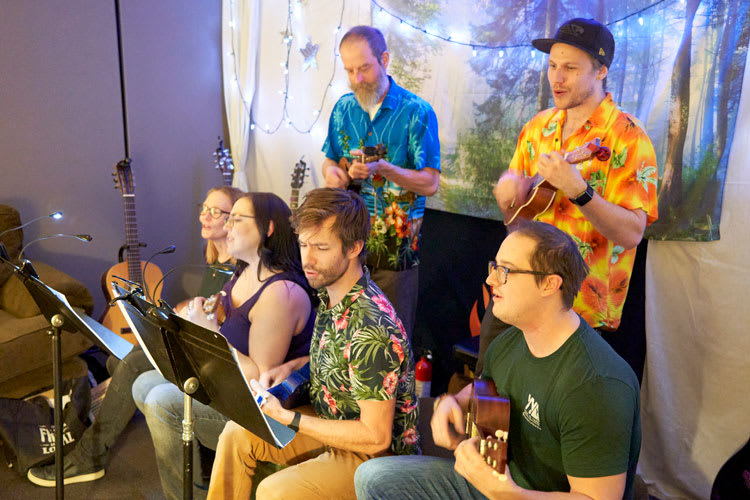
[61,128]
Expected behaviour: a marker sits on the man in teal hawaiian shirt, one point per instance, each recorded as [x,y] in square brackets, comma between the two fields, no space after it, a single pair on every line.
[361,372]
[394,187]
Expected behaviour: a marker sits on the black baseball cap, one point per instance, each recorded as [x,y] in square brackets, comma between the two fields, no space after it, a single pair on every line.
[588,35]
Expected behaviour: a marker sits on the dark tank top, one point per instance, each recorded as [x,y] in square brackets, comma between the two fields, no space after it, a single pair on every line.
[236,325]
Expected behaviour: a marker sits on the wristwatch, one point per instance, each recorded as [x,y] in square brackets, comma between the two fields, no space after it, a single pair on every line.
[584,197]
[295,422]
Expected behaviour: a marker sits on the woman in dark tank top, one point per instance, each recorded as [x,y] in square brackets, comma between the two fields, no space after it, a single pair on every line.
[270,314]
[268,303]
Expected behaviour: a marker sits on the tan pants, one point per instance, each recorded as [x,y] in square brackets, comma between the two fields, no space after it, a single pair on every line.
[316,471]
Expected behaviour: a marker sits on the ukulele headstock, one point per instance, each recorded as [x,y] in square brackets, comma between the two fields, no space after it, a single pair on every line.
[223,162]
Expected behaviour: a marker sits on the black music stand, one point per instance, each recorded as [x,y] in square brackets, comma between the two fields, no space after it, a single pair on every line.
[203,365]
[58,311]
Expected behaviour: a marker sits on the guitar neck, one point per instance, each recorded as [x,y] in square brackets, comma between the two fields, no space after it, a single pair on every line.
[133,252]
[294,200]
[227,177]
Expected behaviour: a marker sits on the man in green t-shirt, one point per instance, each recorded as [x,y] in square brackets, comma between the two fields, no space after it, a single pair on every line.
[574,403]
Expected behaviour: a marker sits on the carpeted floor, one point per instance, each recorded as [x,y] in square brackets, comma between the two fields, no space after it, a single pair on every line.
[131,473]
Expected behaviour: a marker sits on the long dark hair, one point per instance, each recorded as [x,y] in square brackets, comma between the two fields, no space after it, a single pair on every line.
[278,252]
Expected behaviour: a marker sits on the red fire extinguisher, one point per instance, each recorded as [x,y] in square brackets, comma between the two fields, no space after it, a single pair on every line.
[423,374]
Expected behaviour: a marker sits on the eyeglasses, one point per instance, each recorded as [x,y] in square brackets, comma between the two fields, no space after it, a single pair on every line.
[502,272]
[215,212]
[233,219]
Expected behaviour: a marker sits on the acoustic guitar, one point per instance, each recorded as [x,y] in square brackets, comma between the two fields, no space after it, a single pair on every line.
[541,193]
[133,267]
[369,154]
[298,179]
[489,418]
[223,162]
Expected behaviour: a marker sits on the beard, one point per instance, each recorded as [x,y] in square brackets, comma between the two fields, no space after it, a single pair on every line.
[368,94]
[326,276]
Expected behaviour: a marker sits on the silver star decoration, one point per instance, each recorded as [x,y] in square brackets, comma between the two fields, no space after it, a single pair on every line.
[309,52]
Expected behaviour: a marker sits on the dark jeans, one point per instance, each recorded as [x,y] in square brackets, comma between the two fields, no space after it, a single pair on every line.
[116,409]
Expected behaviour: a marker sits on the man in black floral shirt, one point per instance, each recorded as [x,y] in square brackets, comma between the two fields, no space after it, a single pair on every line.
[361,372]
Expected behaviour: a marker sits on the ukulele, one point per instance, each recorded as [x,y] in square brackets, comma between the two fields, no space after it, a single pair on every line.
[298,178]
[133,267]
[213,307]
[369,154]
[489,418]
[541,193]
[223,162]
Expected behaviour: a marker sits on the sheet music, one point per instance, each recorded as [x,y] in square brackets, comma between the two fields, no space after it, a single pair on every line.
[280,432]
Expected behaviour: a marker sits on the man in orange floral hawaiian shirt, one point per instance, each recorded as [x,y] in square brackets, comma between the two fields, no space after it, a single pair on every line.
[604,205]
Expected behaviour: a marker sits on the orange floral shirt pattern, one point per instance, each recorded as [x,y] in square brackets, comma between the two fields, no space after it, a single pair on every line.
[627,179]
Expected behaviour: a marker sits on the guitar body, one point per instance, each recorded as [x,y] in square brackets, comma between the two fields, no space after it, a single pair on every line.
[489,418]
[538,200]
[113,318]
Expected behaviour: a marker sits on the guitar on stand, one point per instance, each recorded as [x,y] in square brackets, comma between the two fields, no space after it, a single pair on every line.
[369,155]
[223,161]
[489,418]
[541,194]
[298,179]
[132,268]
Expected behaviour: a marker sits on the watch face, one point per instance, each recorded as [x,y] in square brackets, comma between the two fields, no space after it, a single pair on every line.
[585,197]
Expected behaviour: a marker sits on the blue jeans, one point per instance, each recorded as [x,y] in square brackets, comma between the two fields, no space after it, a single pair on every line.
[411,477]
[163,405]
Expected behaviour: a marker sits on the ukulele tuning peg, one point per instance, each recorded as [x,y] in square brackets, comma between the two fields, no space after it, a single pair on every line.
[489,461]
[482,447]
[494,464]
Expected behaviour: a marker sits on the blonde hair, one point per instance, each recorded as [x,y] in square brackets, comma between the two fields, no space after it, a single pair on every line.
[211,253]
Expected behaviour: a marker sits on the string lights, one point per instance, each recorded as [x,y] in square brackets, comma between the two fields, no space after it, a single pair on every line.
[294,10]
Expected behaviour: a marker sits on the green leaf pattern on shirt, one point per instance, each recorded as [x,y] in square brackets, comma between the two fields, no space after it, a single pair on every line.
[359,351]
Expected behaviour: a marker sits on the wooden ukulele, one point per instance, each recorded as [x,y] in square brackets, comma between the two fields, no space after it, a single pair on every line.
[213,306]
[223,161]
[298,179]
[541,193]
[133,267]
[489,418]
[369,154]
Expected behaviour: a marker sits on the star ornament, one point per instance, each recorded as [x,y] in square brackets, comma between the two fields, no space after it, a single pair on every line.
[309,54]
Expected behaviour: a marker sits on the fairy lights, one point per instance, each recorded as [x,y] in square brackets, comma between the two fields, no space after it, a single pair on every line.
[457,36]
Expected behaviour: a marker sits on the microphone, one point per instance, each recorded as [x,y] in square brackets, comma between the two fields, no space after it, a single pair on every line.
[54,215]
[80,237]
[169,249]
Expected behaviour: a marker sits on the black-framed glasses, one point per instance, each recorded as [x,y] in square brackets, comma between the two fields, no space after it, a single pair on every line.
[215,212]
[233,219]
[502,272]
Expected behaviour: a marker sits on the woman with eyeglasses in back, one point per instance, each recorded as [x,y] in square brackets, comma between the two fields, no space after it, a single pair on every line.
[269,320]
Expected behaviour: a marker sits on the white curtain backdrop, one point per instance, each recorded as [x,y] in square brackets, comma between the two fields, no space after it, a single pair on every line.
[696,408]
[268,161]
[240,35]
[695,400]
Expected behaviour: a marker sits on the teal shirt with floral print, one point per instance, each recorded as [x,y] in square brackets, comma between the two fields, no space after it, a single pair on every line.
[407,126]
[359,351]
